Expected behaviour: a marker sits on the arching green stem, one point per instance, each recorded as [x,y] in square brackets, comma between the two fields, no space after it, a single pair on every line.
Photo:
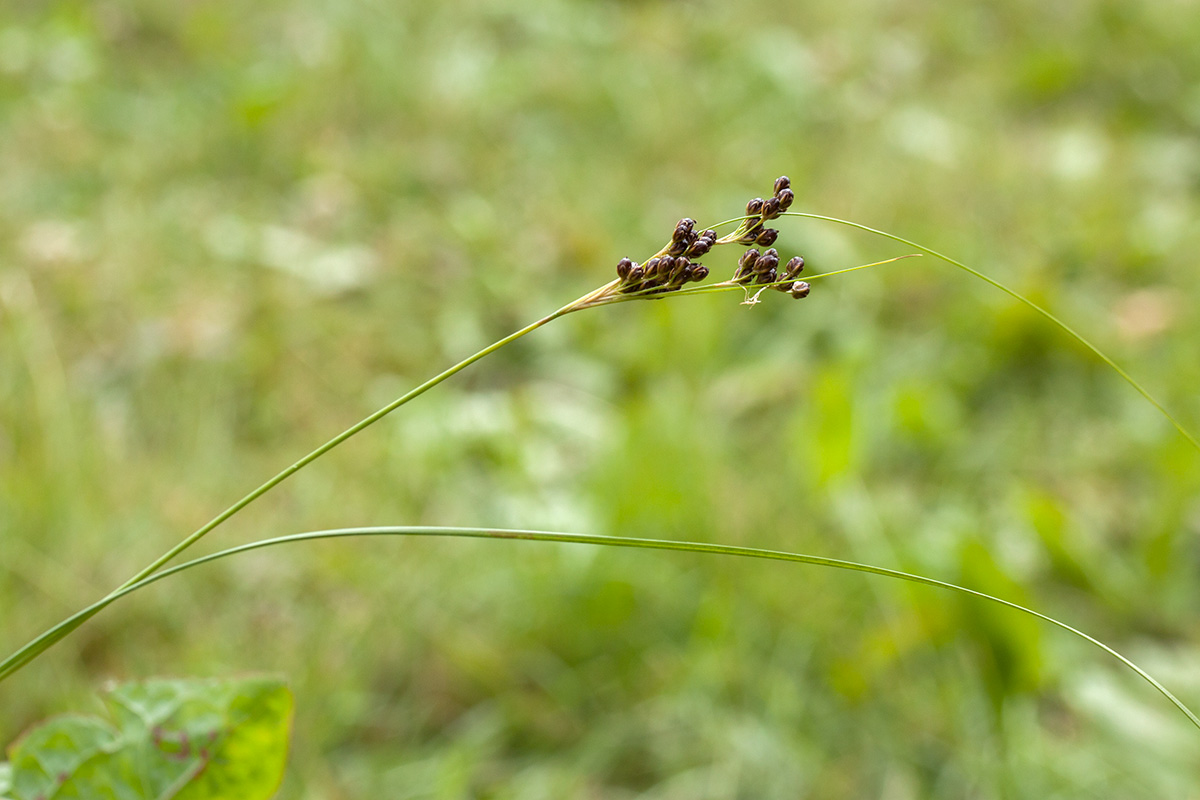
[34,648]
[613,541]
[1074,334]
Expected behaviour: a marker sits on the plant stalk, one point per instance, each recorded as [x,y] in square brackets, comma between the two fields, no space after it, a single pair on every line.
[40,644]
[630,542]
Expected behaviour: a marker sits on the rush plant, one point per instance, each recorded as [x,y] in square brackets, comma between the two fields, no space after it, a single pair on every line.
[673,271]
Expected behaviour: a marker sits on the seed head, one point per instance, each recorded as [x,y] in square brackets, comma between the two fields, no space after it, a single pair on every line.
[794,267]
[703,243]
[683,236]
[771,208]
[672,267]
[666,269]
[767,261]
[745,269]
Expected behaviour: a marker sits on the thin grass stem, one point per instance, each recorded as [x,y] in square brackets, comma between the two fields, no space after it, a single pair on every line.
[1074,334]
[629,542]
[39,645]
[600,296]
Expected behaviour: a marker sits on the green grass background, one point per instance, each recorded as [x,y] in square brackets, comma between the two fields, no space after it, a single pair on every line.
[228,230]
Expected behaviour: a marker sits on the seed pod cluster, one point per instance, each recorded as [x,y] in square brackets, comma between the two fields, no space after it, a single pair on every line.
[760,211]
[673,266]
[672,269]
[762,269]
[659,274]
[685,241]
[796,289]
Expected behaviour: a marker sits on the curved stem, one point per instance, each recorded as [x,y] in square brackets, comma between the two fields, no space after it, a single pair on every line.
[34,648]
[1074,334]
[647,544]
[335,441]
[600,296]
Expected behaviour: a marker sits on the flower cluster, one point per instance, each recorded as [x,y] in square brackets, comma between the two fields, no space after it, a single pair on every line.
[759,211]
[760,269]
[674,266]
[660,274]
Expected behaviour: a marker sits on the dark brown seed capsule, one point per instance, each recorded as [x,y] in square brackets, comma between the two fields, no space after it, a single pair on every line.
[799,289]
[682,266]
[699,272]
[785,199]
[795,266]
[767,261]
[709,234]
[636,273]
[767,277]
[770,208]
[781,183]
[651,268]
[767,237]
[623,267]
[699,248]
[754,207]
[683,228]
[746,262]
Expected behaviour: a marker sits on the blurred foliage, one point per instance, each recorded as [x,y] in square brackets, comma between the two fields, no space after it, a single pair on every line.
[185,739]
[228,230]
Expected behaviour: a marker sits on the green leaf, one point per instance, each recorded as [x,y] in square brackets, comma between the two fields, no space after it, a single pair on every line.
[183,739]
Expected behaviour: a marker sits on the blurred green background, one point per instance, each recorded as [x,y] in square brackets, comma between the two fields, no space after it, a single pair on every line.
[228,230]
